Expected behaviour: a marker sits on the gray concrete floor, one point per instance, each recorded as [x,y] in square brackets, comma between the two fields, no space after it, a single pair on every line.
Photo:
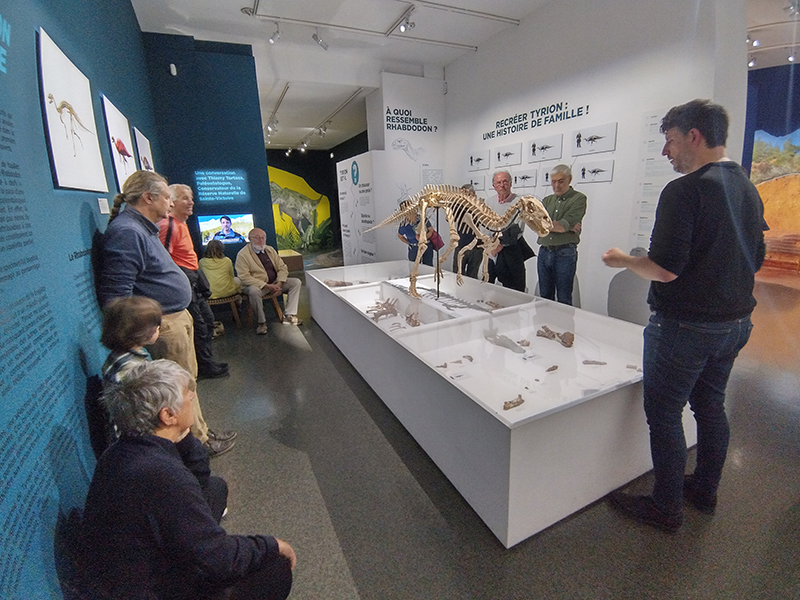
[321,463]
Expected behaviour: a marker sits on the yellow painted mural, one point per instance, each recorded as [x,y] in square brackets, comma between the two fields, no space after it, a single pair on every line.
[299,211]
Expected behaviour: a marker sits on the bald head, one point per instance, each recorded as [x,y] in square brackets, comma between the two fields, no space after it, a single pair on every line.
[258,239]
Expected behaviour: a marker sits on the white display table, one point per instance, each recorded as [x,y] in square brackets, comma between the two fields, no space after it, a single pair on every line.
[446,367]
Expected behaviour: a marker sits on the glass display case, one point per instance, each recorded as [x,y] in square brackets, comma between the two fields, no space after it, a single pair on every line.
[531,408]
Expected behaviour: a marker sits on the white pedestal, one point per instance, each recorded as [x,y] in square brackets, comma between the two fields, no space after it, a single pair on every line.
[579,433]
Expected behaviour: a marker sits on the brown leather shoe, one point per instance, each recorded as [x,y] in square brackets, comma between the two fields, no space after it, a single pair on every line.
[218,447]
[223,435]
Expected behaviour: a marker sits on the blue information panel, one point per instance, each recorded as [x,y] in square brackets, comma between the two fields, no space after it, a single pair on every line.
[222,187]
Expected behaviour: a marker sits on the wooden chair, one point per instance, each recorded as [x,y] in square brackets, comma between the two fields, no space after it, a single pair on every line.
[274,297]
[234,301]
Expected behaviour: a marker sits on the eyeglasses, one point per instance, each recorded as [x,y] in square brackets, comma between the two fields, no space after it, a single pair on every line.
[501,183]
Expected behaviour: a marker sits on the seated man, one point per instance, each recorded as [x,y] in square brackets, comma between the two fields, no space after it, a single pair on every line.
[150,526]
[263,273]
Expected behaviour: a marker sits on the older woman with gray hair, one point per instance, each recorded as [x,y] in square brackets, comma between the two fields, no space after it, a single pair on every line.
[151,522]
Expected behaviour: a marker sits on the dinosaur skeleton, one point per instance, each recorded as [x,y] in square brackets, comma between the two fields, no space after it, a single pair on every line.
[465,212]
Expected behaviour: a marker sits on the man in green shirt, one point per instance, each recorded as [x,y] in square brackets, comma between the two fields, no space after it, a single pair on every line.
[558,252]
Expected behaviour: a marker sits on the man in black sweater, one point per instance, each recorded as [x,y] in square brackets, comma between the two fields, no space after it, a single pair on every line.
[151,523]
[706,246]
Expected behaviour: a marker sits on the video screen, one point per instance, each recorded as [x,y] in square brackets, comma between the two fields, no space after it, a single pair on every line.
[228,229]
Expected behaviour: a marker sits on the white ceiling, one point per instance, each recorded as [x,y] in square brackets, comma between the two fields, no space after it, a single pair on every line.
[364,40]
[773,25]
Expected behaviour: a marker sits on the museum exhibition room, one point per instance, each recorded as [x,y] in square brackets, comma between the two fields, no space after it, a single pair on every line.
[413,433]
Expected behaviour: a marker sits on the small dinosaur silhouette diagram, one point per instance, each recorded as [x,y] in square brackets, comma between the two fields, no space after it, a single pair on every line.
[72,131]
[593,138]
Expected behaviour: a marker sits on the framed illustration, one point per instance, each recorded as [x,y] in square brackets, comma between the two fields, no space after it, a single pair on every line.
[508,155]
[524,178]
[478,182]
[544,174]
[479,160]
[591,140]
[119,137]
[545,148]
[69,116]
[596,171]
[143,151]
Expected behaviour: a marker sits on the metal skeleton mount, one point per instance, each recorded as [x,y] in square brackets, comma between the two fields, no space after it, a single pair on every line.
[465,212]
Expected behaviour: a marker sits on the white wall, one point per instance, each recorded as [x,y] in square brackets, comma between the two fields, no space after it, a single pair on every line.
[621,57]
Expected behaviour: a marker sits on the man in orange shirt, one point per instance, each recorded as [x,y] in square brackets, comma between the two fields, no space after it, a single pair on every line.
[174,234]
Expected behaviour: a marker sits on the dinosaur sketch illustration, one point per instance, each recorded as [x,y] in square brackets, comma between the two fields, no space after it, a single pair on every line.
[525,177]
[595,172]
[298,207]
[593,138]
[507,154]
[464,212]
[405,146]
[544,148]
[74,121]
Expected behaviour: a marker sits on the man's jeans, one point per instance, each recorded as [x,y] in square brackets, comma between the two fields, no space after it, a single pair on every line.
[691,362]
[556,269]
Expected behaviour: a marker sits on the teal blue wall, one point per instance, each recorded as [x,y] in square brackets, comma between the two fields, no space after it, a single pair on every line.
[49,326]
[49,319]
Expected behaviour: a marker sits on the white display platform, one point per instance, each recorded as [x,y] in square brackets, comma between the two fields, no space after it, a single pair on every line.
[446,367]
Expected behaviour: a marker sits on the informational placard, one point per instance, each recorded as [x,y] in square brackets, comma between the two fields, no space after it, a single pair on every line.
[224,186]
[357,209]
[653,173]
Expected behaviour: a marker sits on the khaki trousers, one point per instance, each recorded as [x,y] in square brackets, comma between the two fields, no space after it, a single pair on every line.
[176,343]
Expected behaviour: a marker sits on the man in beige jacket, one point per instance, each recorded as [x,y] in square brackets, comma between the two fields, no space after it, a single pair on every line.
[263,274]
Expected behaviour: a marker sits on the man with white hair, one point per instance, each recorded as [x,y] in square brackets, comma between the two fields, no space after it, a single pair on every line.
[507,261]
[151,523]
[558,250]
[263,272]
[174,234]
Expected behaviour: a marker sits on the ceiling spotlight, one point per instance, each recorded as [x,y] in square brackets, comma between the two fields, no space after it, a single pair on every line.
[277,35]
[304,145]
[302,149]
[288,152]
[793,9]
[406,24]
[322,131]
[791,57]
[756,43]
[319,40]
[748,38]
[752,62]
[331,154]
